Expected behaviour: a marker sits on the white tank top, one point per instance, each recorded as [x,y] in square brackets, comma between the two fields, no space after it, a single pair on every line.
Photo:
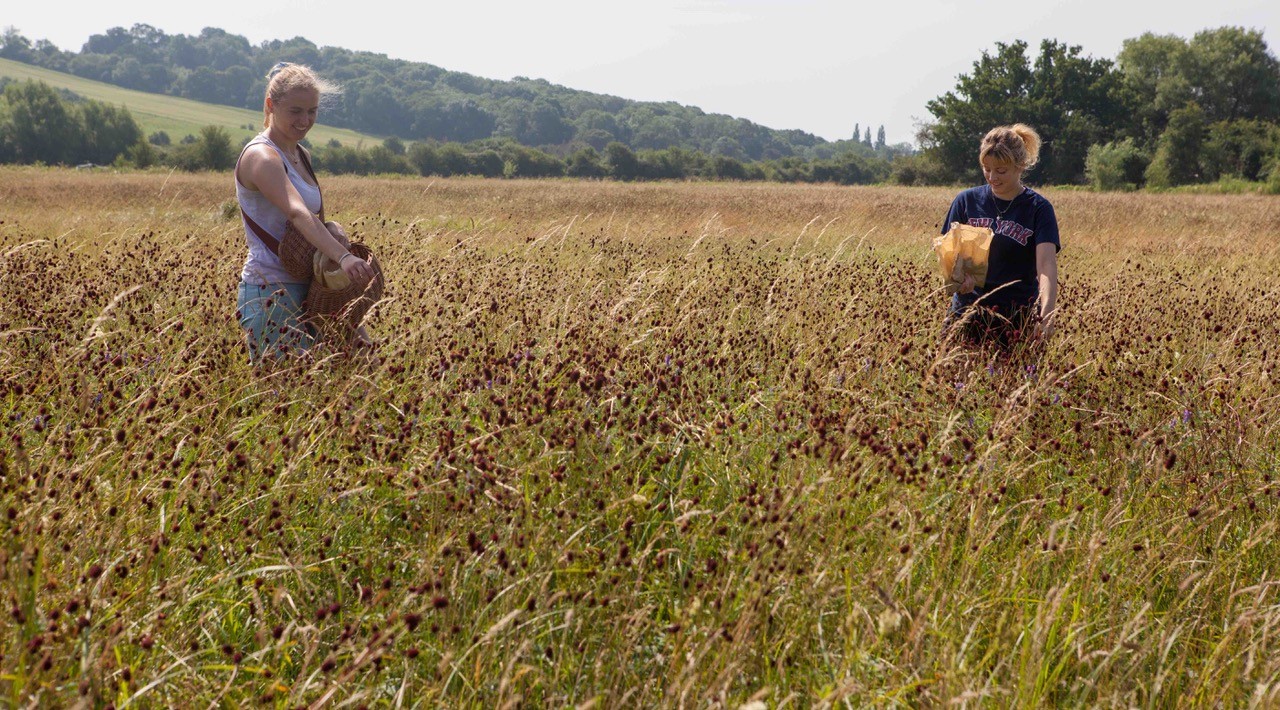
[263,267]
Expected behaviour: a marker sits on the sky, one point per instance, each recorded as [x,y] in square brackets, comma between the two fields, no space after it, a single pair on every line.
[820,66]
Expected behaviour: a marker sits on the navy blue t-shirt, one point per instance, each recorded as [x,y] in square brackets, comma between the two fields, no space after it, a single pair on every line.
[1019,226]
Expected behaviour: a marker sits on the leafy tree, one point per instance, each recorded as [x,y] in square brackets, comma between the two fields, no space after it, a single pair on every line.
[142,154]
[425,157]
[1177,157]
[14,46]
[880,141]
[381,160]
[487,163]
[107,132]
[726,168]
[1073,102]
[1233,75]
[1239,149]
[38,126]
[395,145]
[585,163]
[1115,166]
[213,149]
[621,162]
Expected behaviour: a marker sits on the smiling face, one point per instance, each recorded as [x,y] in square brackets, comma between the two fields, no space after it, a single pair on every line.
[295,113]
[1005,179]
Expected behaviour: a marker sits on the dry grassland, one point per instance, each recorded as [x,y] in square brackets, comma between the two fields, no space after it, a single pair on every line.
[647,445]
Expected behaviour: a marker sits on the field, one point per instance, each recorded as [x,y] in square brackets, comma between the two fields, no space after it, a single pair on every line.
[176,116]
[686,445]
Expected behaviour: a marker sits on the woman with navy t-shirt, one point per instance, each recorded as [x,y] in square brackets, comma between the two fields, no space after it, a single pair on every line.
[1021,288]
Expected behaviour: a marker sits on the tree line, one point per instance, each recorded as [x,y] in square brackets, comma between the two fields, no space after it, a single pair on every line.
[1167,111]
[411,100]
[40,124]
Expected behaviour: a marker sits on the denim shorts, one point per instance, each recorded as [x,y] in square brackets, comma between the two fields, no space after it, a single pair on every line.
[271,317]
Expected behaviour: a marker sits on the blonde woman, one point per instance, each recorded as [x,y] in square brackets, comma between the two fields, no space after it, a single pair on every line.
[1021,290]
[275,185]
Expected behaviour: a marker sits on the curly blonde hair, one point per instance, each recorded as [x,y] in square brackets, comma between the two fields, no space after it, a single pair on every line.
[1017,145]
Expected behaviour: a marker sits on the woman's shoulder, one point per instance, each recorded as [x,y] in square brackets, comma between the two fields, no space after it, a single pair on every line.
[262,151]
[1038,200]
[971,194]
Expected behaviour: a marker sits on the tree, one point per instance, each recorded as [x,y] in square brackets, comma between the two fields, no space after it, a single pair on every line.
[142,154]
[1152,81]
[1073,102]
[621,162]
[14,46]
[866,140]
[1233,75]
[1115,166]
[424,156]
[585,163]
[213,149]
[395,145]
[107,132]
[1228,72]
[857,131]
[880,141]
[38,125]
[1239,149]
[1177,157]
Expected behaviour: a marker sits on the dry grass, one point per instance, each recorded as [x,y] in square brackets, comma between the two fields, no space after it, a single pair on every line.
[681,445]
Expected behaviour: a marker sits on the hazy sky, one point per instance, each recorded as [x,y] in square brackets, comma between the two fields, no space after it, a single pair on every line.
[816,65]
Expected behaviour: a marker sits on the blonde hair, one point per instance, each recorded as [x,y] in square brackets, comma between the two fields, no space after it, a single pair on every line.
[285,77]
[1017,145]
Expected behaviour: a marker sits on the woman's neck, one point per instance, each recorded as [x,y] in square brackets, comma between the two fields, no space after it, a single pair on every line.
[281,142]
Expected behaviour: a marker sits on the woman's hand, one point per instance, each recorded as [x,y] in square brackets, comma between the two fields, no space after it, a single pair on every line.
[356,269]
[968,284]
[1044,327]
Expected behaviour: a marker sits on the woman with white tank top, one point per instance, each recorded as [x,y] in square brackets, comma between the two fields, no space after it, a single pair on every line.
[276,186]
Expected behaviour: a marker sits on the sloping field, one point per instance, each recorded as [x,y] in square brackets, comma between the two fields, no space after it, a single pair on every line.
[658,445]
[176,116]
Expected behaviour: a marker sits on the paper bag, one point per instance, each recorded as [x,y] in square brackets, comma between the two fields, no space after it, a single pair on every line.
[962,251]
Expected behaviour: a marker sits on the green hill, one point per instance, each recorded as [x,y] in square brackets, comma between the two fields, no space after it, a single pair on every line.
[176,116]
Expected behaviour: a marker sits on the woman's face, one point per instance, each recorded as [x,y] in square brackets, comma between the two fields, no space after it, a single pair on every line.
[295,113]
[1005,179]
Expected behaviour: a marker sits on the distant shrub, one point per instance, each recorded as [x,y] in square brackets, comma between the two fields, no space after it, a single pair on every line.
[1115,166]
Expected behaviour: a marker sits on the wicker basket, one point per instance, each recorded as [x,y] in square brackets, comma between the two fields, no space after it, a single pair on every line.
[337,312]
[296,253]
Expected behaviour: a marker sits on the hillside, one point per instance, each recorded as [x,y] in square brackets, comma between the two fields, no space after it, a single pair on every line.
[176,116]
[415,100]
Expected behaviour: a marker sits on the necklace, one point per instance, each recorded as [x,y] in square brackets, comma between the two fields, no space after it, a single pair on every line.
[1000,213]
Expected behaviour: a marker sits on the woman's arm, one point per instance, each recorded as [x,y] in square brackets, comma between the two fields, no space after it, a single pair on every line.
[1047,276]
[263,170]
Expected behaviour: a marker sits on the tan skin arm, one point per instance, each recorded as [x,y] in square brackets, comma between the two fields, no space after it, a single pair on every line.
[1047,277]
[262,169]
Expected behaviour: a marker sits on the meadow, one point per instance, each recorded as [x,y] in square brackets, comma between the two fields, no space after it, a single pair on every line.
[635,445]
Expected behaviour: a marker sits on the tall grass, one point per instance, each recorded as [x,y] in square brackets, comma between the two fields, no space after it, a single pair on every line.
[677,445]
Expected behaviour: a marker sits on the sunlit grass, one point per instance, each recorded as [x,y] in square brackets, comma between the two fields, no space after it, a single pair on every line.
[679,445]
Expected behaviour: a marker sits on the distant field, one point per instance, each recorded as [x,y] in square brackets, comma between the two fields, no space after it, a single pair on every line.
[178,117]
[635,445]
